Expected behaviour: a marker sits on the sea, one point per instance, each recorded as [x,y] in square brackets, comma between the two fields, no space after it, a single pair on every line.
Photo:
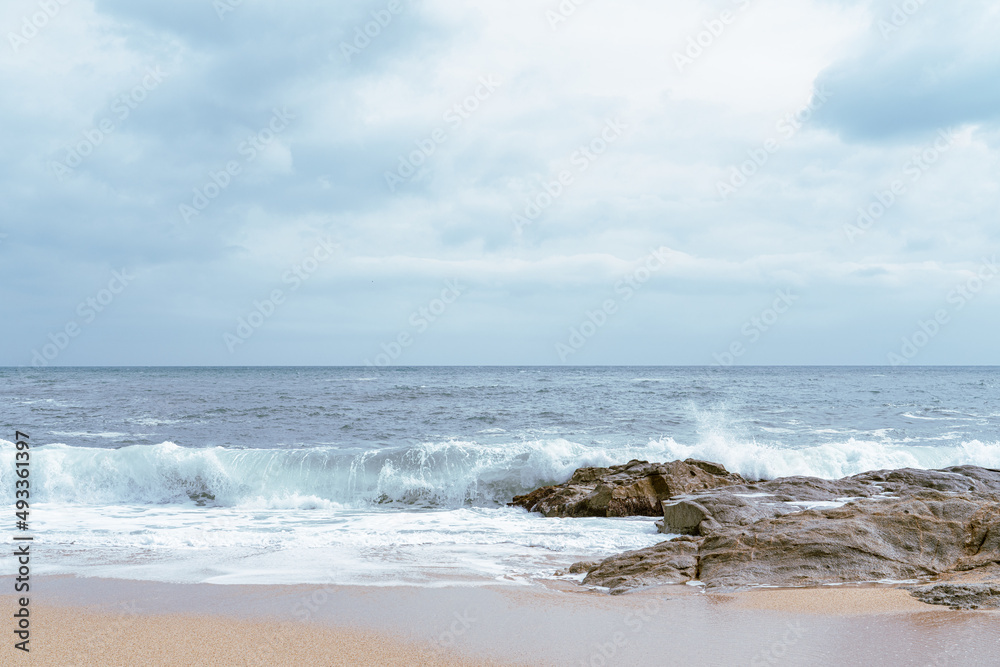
[401,476]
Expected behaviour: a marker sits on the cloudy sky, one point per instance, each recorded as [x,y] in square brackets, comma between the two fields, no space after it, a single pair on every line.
[503,182]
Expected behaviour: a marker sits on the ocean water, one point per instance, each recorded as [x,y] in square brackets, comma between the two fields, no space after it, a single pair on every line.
[401,475]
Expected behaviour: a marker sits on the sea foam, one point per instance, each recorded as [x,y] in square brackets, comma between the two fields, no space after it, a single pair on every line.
[434,475]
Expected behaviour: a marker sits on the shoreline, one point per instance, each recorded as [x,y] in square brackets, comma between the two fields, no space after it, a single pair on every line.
[90,621]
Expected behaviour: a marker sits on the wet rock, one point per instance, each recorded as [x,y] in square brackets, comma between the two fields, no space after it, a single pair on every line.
[896,539]
[634,489]
[671,562]
[703,514]
[799,531]
[958,479]
[959,596]
[683,516]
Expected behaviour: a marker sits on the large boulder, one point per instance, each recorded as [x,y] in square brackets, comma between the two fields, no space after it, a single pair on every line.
[673,562]
[897,539]
[634,489]
[702,515]
[888,525]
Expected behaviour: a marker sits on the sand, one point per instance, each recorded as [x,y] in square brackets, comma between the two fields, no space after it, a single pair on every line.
[71,636]
[832,601]
[78,621]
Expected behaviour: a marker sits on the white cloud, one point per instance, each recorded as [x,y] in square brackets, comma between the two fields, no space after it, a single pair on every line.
[655,186]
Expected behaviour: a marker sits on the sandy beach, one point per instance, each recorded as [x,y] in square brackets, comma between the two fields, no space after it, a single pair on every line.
[79,636]
[78,621]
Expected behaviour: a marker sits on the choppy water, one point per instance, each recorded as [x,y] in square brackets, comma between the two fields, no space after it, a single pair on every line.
[400,475]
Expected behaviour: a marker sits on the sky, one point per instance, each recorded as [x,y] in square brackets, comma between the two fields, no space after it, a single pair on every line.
[413,182]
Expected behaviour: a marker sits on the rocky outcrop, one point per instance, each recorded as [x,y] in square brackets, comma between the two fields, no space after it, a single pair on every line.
[634,489]
[960,596]
[744,504]
[673,562]
[899,539]
[887,525]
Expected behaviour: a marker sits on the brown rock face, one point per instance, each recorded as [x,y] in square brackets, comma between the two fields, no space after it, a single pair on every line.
[960,596]
[673,562]
[906,538]
[634,489]
[890,525]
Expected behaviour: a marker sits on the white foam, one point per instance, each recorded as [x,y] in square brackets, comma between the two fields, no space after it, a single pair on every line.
[443,474]
[353,518]
[230,545]
[152,421]
[831,460]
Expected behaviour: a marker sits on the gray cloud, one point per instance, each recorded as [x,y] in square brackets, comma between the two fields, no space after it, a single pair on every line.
[324,176]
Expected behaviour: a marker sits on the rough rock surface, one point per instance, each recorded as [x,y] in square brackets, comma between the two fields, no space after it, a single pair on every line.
[634,489]
[673,562]
[897,539]
[885,525]
[960,596]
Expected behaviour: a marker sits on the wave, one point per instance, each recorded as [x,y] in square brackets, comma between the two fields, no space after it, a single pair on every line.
[441,475]
[832,460]
[449,474]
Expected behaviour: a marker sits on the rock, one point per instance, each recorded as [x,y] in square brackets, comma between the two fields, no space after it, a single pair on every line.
[682,516]
[709,467]
[904,538]
[959,596]
[582,566]
[808,489]
[703,514]
[800,531]
[634,489]
[743,504]
[675,562]
[958,479]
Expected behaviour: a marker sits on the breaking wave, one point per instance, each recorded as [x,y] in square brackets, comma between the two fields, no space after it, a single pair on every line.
[450,474]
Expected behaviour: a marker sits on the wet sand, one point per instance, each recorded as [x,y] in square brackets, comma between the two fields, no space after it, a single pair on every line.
[839,601]
[70,636]
[113,622]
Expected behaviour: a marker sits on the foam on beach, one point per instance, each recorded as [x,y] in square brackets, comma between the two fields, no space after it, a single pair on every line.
[451,474]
